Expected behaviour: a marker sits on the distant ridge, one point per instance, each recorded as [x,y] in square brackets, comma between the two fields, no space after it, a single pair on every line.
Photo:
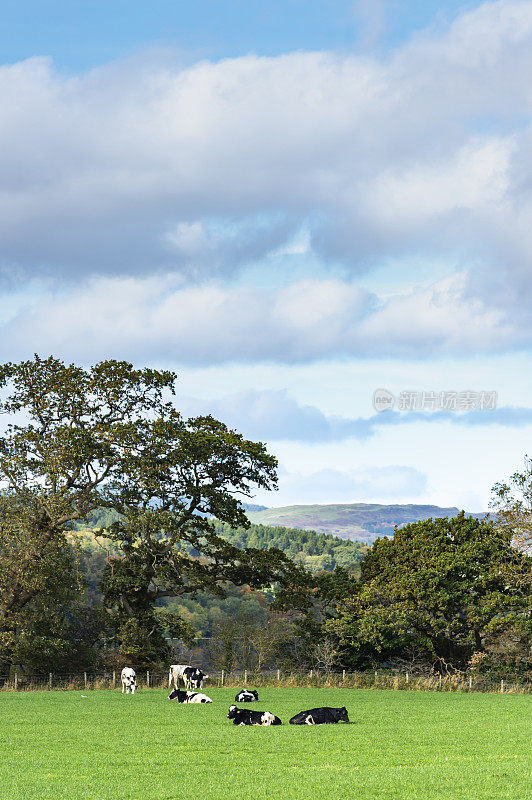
[252,507]
[362,521]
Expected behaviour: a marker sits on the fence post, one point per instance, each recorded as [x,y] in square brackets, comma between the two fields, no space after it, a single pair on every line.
[407,677]
[343,674]
[278,674]
[310,675]
[16,681]
[147,679]
[245,677]
[114,679]
[440,680]
[85,679]
[376,679]
[470,682]
[222,677]
[502,686]
[50,680]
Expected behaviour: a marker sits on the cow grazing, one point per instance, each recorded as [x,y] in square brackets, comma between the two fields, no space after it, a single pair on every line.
[193,678]
[246,696]
[320,716]
[176,672]
[129,680]
[188,697]
[243,716]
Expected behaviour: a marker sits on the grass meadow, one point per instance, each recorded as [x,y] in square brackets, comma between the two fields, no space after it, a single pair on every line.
[58,745]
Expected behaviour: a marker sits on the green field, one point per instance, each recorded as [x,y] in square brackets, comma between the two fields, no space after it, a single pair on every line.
[408,745]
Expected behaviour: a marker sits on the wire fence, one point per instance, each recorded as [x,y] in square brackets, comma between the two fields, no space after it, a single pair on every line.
[158,679]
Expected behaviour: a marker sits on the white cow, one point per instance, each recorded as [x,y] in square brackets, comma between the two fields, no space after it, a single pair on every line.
[177,671]
[129,680]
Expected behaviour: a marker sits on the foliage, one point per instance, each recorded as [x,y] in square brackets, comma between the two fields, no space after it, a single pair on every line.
[217,618]
[313,606]
[249,639]
[317,552]
[61,453]
[443,586]
[178,475]
[108,438]
[501,666]
[50,630]
[512,504]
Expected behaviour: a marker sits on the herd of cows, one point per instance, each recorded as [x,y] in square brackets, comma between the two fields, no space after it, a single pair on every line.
[193,678]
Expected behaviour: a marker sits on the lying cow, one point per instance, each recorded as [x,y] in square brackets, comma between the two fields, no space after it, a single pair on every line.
[129,680]
[246,696]
[243,716]
[176,672]
[320,716]
[193,678]
[188,697]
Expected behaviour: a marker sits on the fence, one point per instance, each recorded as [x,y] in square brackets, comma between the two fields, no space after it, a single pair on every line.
[158,679]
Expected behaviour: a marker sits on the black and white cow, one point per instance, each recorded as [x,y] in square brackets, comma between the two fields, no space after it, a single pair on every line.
[188,697]
[129,680]
[193,678]
[247,696]
[320,716]
[243,716]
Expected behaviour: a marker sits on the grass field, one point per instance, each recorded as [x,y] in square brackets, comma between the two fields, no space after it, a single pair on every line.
[407,745]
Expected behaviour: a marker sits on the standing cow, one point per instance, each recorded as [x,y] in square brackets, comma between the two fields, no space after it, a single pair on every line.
[177,671]
[129,680]
[192,677]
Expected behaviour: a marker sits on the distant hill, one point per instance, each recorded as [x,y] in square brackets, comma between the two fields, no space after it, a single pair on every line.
[362,521]
[254,507]
[317,552]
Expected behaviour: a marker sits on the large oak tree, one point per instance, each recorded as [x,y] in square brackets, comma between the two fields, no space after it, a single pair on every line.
[109,437]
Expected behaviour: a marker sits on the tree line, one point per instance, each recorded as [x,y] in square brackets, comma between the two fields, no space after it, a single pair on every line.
[104,448]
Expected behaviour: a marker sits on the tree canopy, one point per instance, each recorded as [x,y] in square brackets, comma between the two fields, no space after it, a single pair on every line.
[512,504]
[440,587]
[110,437]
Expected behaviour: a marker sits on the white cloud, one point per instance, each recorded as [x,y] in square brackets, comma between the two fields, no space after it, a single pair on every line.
[274,416]
[161,317]
[438,319]
[474,177]
[366,484]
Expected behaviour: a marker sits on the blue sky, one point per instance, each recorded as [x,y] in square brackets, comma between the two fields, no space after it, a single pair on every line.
[80,35]
[292,204]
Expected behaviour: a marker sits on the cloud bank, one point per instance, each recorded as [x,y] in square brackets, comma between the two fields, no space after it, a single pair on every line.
[275,416]
[366,484]
[136,190]
[146,166]
[306,320]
